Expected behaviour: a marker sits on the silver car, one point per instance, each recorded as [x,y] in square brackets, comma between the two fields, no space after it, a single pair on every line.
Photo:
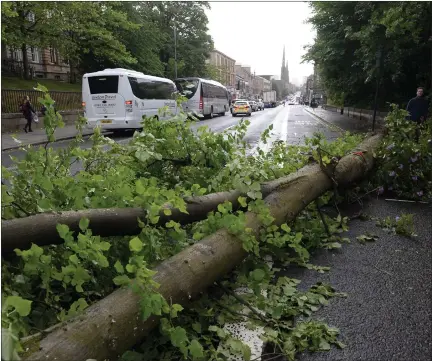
[254,105]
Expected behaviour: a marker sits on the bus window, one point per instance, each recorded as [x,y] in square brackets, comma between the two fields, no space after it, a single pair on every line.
[187,88]
[103,84]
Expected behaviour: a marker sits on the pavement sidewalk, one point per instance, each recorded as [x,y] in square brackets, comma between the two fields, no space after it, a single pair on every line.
[343,122]
[38,136]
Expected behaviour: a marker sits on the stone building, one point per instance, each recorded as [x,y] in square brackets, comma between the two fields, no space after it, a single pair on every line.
[226,68]
[43,63]
[244,81]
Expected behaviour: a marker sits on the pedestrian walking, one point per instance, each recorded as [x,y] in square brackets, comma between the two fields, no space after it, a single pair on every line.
[28,112]
[418,107]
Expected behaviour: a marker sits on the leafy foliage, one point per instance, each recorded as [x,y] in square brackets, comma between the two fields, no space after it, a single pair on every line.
[349,37]
[162,166]
[402,225]
[97,35]
[404,164]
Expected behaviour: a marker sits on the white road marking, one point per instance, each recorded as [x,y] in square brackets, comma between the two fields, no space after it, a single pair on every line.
[279,132]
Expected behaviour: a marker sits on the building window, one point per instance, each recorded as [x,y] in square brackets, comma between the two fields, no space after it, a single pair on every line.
[34,54]
[53,55]
[15,54]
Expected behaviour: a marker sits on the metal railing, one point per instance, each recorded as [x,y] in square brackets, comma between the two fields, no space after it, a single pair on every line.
[11,100]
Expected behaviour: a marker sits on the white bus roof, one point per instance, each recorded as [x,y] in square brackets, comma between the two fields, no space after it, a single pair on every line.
[127,72]
[209,81]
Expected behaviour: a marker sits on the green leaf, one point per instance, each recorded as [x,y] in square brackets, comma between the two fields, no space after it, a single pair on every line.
[62,230]
[74,259]
[131,268]
[22,306]
[84,223]
[258,274]
[175,308]
[285,228]
[197,327]
[121,280]
[135,245]
[324,345]
[178,336]
[242,201]
[119,267]
[196,350]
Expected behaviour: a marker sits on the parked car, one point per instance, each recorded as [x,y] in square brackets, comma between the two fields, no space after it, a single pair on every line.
[241,107]
[260,105]
[253,104]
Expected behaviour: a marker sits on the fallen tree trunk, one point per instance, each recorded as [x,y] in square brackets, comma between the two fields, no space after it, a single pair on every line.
[113,325]
[41,228]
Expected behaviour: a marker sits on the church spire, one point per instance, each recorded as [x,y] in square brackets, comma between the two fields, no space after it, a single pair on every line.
[283,57]
[283,65]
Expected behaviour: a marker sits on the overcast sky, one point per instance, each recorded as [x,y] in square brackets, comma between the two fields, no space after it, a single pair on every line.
[254,33]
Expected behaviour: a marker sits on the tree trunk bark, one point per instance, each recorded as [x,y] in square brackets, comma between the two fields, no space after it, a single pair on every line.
[113,325]
[25,62]
[72,79]
[41,228]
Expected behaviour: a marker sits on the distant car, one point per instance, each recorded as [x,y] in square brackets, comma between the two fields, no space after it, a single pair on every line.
[241,107]
[260,105]
[254,105]
[236,100]
[291,102]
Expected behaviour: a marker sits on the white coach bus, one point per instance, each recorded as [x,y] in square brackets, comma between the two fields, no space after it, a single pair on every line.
[205,97]
[117,99]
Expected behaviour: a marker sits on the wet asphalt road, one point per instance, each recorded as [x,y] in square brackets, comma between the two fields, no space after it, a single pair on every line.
[387,315]
[290,123]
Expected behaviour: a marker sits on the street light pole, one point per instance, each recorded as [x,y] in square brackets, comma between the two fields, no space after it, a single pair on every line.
[175,50]
[378,79]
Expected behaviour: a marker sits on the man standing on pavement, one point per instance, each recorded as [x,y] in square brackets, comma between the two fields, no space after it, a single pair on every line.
[418,107]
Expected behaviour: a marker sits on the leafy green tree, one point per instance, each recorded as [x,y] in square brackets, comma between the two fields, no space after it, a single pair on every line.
[350,35]
[145,40]
[26,24]
[193,42]
[92,28]
[212,72]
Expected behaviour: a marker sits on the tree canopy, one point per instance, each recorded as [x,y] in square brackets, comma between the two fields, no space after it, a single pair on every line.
[96,35]
[358,42]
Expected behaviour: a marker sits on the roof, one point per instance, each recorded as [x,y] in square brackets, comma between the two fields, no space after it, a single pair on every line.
[218,51]
[128,72]
[208,81]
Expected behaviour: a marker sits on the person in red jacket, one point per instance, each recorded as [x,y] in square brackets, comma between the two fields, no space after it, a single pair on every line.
[28,112]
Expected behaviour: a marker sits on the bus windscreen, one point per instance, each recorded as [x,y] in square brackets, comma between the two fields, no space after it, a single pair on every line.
[187,88]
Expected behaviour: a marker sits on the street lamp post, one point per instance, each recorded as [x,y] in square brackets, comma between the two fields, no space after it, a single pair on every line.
[378,79]
[175,50]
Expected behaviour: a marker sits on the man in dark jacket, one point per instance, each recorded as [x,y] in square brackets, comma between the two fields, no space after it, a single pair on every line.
[418,107]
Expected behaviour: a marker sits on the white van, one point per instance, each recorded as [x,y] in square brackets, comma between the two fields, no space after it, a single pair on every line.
[117,99]
[205,97]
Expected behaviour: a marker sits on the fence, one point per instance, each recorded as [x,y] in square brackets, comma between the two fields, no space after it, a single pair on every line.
[11,100]
[331,108]
[356,112]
